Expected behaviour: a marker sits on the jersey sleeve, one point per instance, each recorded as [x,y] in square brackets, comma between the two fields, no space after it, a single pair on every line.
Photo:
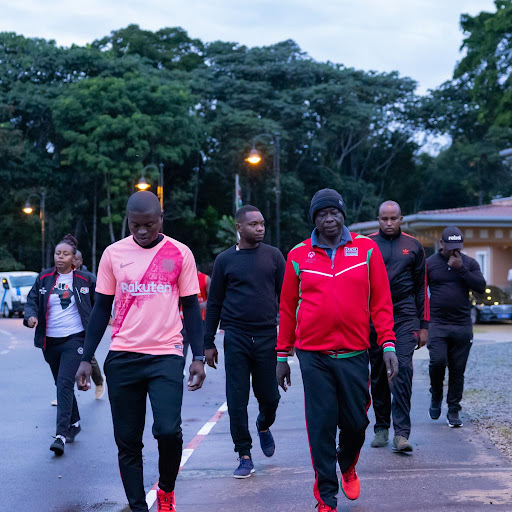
[106,280]
[188,283]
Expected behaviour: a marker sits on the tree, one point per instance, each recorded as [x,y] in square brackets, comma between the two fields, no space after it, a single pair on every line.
[168,48]
[108,128]
[486,65]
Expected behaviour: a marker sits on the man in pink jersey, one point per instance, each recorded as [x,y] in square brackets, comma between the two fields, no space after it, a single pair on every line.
[147,273]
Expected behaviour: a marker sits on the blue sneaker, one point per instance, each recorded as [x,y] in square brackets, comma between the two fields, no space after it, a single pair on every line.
[245,468]
[268,446]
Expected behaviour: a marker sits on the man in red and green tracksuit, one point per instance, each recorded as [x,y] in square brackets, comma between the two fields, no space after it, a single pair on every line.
[333,282]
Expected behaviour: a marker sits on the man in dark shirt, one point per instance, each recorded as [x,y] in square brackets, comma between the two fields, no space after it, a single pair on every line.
[451,275]
[244,291]
[405,264]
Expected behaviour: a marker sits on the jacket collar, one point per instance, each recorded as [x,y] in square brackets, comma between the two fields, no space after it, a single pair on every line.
[346,237]
[387,237]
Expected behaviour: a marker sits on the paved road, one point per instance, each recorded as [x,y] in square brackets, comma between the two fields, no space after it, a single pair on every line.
[450,470]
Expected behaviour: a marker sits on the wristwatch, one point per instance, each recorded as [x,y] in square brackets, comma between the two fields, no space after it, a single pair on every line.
[199,358]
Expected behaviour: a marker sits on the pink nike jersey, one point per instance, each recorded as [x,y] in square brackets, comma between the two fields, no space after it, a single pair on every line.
[147,284]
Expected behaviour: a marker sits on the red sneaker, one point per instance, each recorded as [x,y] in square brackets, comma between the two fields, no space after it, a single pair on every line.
[322,507]
[165,501]
[350,484]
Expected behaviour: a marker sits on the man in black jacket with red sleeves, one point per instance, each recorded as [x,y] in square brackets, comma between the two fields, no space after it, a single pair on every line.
[405,264]
[451,276]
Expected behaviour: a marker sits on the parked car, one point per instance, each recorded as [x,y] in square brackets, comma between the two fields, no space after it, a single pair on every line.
[14,291]
[493,305]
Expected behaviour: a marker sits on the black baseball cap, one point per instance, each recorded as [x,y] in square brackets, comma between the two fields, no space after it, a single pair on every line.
[452,238]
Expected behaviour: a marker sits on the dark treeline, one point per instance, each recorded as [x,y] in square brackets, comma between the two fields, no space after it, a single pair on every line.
[82,122]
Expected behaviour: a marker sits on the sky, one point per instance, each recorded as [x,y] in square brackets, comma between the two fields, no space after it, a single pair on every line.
[419,38]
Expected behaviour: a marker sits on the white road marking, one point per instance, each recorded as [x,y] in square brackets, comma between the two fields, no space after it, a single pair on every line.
[205,430]
[151,498]
[13,342]
[189,449]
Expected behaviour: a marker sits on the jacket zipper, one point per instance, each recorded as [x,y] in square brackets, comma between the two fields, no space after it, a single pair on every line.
[76,289]
[47,309]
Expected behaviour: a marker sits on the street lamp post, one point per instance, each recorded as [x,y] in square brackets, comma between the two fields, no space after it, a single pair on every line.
[144,185]
[254,158]
[160,189]
[28,210]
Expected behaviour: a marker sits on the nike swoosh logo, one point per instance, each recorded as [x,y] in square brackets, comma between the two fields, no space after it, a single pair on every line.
[126,264]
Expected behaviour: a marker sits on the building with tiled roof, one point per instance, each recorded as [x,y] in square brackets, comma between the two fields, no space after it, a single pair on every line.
[487,233]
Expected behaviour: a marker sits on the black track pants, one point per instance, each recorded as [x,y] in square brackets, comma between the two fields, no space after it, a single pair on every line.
[407,333]
[336,396]
[246,355]
[448,346]
[64,359]
[131,377]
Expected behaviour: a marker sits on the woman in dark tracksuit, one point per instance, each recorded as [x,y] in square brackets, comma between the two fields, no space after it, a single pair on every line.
[59,306]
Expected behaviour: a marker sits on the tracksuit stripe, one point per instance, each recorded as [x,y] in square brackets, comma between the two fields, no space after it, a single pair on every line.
[352,267]
[338,273]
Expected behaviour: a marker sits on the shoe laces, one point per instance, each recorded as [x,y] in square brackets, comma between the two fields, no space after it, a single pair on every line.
[350,474]
[165,501]
[322,507]
[244,461]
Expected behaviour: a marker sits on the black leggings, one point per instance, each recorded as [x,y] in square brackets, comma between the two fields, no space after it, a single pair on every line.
[131,377]
[64,356]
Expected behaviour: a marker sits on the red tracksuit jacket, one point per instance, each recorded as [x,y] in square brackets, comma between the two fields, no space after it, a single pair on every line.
[327,306]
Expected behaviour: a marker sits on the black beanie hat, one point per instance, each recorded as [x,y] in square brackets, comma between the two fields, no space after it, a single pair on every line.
[327,198]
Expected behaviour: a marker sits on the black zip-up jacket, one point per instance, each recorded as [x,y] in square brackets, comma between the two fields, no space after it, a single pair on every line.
[404,258]
[84,286]
[449,289]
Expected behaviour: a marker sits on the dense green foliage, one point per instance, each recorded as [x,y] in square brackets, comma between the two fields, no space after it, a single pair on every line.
[82,123]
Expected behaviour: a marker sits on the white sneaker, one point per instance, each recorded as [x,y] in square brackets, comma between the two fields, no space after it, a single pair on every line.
[54,403]
[100,390]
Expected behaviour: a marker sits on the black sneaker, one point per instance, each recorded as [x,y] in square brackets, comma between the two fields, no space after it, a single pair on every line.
[268,446]
[245,469]
[453,419]
[435,409]
[73,432]
[57,446]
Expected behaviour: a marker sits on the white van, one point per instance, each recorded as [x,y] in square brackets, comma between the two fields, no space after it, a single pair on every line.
[14,291]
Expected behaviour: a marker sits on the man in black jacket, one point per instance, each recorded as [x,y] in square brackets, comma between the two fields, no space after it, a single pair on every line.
[405,264]
[451,276]
[244,291]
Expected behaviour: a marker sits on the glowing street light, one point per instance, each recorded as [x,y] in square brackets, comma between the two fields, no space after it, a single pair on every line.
[254,157]
[28,210]
[142,184]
